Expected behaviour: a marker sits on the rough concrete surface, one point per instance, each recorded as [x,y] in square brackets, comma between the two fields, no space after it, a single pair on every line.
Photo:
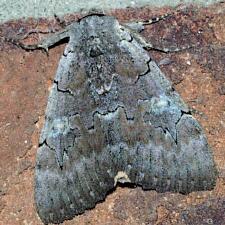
[197,74]
[11,9]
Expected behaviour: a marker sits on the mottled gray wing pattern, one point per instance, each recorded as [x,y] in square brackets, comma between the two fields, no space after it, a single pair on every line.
[111,117]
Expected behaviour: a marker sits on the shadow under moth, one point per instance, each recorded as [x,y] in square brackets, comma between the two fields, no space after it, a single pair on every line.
[112,117]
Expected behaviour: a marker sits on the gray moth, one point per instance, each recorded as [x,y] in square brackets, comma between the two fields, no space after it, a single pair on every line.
[113,117]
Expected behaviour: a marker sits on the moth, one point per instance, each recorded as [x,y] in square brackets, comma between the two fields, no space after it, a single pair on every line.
[113,117]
